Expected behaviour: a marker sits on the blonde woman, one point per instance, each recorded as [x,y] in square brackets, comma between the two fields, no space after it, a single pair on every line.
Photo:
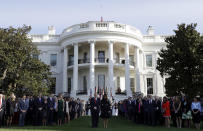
[10,106]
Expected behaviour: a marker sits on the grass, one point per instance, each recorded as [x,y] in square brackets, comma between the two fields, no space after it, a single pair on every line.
[84,124]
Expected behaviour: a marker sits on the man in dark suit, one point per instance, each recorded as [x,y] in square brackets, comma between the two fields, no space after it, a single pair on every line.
[2,108]
[23,107]
[145,107]
[72,109]
[30,113]
[152,110]
[39,107]
[95,109]
[130,108]
[50,103]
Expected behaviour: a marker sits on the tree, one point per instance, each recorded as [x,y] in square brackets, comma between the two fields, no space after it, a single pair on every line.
[19,71]
[181,62]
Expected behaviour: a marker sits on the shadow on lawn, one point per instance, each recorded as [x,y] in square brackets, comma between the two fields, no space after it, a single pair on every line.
[84,124]
[81,124]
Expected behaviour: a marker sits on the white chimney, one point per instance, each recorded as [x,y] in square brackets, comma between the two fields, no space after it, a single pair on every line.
[51,30]
[150,30]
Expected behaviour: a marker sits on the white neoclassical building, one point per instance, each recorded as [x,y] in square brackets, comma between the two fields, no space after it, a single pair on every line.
[104,57]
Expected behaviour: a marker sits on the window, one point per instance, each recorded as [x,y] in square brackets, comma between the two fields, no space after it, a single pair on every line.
[69,84]
[35,56]
[85,60]
[117,58]
[71,60]
[53,85]
[132,83]
[149,60]
[149,85]
[101,56]
[53,59]
[131,60]
[84,83]
[101,82]
[118,82]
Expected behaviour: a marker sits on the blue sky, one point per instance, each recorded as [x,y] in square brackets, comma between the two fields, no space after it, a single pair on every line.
[164,15]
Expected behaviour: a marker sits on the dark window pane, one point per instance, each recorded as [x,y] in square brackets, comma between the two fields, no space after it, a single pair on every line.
[35,56]
[149,60]
[149,86]
[53,59]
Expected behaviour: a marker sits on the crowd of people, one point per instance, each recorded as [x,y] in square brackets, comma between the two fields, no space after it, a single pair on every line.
[39,110]
[56,110]
[150,110]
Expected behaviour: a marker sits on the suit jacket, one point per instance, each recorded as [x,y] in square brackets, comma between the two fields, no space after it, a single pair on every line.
[23,105]
[50,103]
[151,105]
[95,105]
[38,103]
[31,104]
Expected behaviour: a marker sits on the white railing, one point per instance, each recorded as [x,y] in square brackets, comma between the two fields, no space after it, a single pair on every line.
[101,26]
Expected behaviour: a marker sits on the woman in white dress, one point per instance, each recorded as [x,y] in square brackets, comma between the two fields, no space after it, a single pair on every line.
[115,109]
[67,110]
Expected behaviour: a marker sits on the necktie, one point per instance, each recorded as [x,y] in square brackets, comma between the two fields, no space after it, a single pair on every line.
[139,107]
[95,101]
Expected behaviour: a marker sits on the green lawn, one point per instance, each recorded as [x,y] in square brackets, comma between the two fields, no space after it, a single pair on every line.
[84,124]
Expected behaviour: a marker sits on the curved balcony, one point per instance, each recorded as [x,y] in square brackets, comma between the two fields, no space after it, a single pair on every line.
[102,26]
[104,60]
[80,61]
[81,92]
[119,60]
[101,60]
[83,61]
[119,92]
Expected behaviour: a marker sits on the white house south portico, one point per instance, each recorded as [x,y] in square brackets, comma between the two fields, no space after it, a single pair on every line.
[109,56]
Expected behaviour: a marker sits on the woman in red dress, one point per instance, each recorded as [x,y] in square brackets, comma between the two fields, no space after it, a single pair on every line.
[166,111]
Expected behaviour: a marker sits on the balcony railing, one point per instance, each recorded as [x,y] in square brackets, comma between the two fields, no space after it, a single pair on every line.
[83,61]
[81,92]
[119,61]
[101,60]
[132,63]
[70,63]
[120,92]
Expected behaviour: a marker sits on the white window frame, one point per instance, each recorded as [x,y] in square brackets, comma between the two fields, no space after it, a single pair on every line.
[153,84]
[56,59]
[153,60]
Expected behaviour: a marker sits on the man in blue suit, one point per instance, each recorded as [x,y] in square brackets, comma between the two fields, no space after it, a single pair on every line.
[39,106]
[50,103]
[95,109]
[23,107]
[151,110]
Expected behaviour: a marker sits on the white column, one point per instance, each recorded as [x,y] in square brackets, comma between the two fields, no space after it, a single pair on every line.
[65,61]
[127,71]
[91,73]
[137,51]
[75,71]
[111,68]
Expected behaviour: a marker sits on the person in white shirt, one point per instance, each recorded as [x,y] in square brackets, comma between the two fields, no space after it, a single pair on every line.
[67,110]
[196,108]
